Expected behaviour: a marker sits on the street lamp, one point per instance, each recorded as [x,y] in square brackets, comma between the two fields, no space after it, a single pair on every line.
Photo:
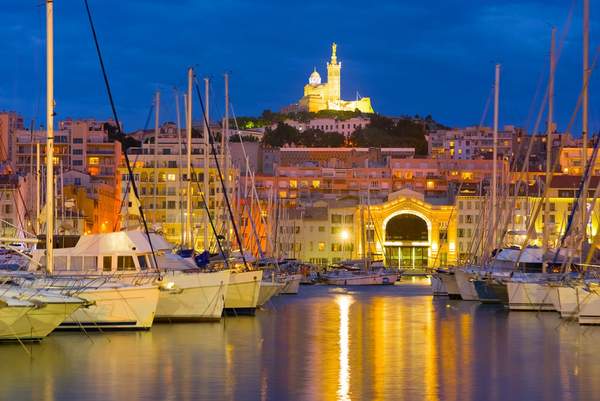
[345,235]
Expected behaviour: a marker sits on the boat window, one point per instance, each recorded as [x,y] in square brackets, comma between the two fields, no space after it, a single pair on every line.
[107,263]
[125,263]
[76,263]
[142,262]
[60,263]
[90,263]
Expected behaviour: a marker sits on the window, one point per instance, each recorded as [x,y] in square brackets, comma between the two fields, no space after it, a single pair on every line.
[461,233]
[90,263]
[336,247]
[76,263]
[107,263]
[60,263]
[94,161]
[321,229]
[125,263]
[77,151]
[316,184]
[171,177]
[321,245]
[142,261]
[349,219]
[77,140]
[336,218]
[336,230]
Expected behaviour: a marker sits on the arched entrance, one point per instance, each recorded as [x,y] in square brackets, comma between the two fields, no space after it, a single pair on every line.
[407,240]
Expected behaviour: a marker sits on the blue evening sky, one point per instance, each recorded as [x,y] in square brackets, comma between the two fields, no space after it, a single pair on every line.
[411,57]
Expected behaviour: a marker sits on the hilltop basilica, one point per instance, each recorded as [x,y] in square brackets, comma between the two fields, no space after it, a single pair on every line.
[326,96]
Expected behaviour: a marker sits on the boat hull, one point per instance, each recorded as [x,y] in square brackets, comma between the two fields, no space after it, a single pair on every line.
[379,279]
[40,321]
[242,292]
[115,308]
[449,282]
[437,285]
[486,292]
[589,305]
[196,296]
[8,316]
[464,282]
[566,301]
[268,289]
[526,296]
[292,285]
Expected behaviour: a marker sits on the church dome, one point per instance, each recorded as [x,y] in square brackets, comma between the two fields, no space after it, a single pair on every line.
[315,78]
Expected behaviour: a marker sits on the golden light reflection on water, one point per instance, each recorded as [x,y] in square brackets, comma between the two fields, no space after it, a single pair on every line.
[374,344]
[344,302]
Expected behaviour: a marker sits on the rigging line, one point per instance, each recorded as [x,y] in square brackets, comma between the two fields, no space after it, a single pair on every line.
[126,193]
[120,136]
[575,112]
[206,208]
[223,187]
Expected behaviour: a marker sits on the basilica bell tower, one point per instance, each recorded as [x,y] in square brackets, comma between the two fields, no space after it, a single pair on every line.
[333,75]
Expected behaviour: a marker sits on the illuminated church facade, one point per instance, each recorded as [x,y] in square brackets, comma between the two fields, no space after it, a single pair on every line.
[326,96]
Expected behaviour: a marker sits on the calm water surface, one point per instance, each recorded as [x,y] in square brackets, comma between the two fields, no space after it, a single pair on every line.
[389,343]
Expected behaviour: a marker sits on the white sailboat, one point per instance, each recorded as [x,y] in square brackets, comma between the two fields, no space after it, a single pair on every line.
[114,305]
[49,310]
[11,310]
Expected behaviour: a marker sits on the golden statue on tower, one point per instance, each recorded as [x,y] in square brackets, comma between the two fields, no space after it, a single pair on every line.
[326,96]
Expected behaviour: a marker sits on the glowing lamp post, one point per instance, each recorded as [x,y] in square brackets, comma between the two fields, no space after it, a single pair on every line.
[345,235]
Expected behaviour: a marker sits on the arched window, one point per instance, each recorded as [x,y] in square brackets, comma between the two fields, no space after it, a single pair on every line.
[406,227]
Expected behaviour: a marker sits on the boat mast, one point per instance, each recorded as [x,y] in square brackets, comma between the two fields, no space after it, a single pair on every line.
[206,163]
[38,177]
[585,102]
[546,228]
[50,137]
[495,154]
[190,240]
[156,128]
[224,145]
[179,159]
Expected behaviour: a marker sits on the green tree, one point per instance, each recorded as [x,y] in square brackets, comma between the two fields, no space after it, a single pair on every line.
[282,135]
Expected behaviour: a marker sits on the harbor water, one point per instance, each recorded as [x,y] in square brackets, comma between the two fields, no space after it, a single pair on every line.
[370,343]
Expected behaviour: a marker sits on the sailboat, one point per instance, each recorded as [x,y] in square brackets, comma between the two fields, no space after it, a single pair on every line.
[105,300]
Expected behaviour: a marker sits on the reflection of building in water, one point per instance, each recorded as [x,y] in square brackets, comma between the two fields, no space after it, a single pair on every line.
[326,96]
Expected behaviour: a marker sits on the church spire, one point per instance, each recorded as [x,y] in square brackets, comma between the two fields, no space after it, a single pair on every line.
[333,53]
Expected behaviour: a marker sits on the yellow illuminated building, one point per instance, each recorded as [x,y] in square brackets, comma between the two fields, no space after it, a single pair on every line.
[326,96]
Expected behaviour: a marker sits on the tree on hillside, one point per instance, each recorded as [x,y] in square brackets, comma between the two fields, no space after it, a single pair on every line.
[383,132]
[282,135]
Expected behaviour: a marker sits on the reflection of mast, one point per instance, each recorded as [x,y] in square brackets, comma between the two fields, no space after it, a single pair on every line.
[50,139]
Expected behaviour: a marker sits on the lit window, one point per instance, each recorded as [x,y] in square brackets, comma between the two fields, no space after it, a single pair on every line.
[93,160]
[170,177]
[321,246]
[430,184]
[293,184]
[316,184]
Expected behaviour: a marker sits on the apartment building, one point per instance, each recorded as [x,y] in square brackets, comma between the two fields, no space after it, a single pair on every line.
[471,143]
